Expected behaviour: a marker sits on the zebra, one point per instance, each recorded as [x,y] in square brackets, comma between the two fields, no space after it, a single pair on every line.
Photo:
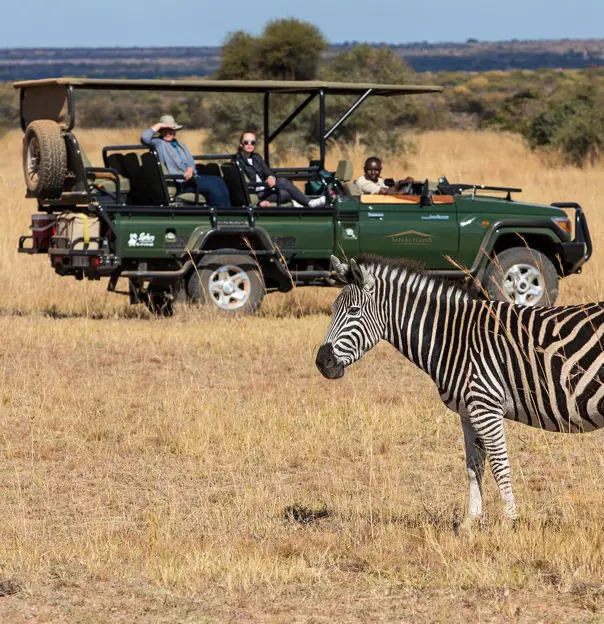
[543,367]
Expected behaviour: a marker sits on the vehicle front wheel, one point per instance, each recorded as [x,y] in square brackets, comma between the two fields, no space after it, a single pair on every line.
[230,283]
[523,276]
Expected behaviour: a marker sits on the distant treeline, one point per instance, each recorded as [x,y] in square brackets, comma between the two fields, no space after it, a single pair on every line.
[176,62]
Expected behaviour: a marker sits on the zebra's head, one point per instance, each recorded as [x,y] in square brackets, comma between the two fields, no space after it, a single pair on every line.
[356,324]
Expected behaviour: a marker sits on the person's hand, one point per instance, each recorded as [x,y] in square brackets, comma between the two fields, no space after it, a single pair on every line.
[271,181]
[407,180]
[264,204]
[188,174]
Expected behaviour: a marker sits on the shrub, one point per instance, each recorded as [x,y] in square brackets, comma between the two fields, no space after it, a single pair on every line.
[571,123]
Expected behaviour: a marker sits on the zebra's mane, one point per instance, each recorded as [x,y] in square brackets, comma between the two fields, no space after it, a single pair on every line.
[374,263]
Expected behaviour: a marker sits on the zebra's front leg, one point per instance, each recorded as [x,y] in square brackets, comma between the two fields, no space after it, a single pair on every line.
[475,460]
[490,430]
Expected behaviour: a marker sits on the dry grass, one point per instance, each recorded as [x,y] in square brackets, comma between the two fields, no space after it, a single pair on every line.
[148,465]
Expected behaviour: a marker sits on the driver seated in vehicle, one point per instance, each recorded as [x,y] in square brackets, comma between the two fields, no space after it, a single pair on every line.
[179,161]
[371,184]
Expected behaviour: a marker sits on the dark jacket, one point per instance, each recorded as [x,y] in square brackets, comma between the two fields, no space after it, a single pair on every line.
[258,166]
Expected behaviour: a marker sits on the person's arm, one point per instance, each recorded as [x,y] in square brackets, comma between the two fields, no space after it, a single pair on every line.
[190,162]
[266,171]
[147,136]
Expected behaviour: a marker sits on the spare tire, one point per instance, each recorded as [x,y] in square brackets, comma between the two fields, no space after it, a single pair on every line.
[44,159]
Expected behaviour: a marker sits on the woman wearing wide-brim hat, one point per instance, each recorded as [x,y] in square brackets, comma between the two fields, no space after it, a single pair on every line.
[179,161]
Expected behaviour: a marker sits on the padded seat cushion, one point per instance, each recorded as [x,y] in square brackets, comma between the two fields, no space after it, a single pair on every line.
[189,198]
[255,201]
[109,183]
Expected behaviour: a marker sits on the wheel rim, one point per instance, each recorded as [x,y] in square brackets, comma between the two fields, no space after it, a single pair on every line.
[523,284]
[230,287]
[33,160]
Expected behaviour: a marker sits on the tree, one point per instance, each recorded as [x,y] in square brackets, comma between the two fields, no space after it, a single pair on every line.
[290,50]
[287,49]
[239,57]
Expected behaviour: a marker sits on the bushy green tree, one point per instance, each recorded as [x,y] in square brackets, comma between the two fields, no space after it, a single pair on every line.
[289,49]
[571,123]
[239,57]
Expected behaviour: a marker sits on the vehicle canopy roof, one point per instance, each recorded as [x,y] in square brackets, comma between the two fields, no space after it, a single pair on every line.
[53,98]
[233,86]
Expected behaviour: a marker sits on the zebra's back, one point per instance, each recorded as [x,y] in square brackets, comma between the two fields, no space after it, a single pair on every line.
[551,361]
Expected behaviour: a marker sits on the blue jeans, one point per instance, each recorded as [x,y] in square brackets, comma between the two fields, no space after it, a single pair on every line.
[211,187]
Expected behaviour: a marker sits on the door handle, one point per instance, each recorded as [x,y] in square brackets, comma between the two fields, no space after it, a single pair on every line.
[376,215]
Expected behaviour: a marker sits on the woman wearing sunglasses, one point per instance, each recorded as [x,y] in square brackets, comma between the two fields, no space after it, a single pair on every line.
[264,182]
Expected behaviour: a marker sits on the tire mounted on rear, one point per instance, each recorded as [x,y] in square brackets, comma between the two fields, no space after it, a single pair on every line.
[44,159]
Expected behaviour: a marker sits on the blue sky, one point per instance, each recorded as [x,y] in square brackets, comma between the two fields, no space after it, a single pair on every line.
[89,23]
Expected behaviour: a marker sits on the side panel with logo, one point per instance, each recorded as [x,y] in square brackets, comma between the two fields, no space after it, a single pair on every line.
[154,237]
[408,230]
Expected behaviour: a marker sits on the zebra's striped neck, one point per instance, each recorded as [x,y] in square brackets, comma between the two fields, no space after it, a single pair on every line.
[424,316]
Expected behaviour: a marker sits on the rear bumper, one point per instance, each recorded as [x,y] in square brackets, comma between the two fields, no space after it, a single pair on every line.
[577,252]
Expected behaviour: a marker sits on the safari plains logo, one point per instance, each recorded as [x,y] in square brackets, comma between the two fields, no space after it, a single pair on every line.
[411,237]
[141,240]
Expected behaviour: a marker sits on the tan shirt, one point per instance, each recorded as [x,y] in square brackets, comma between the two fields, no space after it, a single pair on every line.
[368,187]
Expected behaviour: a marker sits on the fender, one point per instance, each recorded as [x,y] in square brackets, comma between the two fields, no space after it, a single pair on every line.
[203,242]
[543,227]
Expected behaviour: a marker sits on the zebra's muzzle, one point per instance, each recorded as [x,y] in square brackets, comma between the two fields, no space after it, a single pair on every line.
[327,363]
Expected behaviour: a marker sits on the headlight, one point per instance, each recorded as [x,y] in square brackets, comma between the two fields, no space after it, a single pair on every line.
[564,223]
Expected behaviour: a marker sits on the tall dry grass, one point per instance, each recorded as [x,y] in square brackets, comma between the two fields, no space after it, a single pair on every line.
[163,469]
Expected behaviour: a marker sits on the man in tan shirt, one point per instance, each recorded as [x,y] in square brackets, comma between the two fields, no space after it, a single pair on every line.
[371,184]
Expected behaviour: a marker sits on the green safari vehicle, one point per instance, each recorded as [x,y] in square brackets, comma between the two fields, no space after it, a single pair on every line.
[127,220]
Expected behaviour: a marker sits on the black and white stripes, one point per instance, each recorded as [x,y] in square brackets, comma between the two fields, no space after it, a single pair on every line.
[490,360]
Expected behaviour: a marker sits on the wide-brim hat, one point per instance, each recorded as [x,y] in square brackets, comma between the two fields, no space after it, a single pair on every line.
[170,121]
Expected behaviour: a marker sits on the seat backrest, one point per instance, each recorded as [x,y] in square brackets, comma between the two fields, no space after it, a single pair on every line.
[344,171]
[155,190]
[351,189]
[213,169]
[233,178]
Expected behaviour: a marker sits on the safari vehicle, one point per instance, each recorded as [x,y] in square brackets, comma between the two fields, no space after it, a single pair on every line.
[126,220]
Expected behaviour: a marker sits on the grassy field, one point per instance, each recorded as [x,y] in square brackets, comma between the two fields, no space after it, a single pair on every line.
[199,469]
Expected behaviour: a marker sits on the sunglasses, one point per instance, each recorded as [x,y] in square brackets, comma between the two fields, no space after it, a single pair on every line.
[248,142]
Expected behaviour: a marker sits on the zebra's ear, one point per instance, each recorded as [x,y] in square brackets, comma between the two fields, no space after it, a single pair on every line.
[361,276]
[341,268]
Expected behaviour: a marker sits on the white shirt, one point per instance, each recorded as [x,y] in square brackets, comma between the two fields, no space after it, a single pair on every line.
[368,187]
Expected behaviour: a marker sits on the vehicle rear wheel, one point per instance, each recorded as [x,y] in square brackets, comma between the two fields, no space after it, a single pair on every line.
[230,283]
[44,159]
[523,276]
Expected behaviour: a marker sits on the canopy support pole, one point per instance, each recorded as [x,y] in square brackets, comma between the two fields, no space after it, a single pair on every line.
[347,114]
